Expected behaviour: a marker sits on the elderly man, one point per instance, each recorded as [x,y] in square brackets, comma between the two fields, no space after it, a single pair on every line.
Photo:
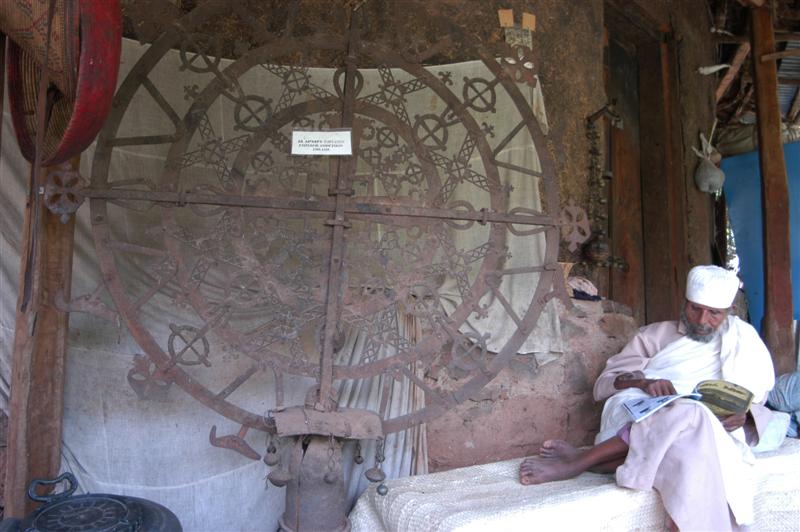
[699,464]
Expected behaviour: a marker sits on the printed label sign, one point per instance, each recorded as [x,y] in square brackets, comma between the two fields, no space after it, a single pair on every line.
[322,142]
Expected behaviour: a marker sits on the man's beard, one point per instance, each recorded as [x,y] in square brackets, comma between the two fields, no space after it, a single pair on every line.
[699,333]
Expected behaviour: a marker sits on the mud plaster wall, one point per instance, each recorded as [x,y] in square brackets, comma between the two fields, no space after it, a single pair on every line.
[527,404]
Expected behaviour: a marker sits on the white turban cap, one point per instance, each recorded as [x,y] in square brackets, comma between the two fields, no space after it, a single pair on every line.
[712,286]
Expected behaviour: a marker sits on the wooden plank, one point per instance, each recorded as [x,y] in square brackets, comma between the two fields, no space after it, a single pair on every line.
[733,39]
[777,325]
[673,154]
[658,285]
[627,283]
[37,374]
[793,116]
[738,59]
[772,56]
[663,184]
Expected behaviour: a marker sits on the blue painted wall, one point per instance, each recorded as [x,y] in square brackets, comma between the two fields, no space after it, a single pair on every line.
[743,194]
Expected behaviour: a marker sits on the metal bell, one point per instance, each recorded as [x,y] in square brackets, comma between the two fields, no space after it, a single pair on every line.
[271,456]
[330,477]
[374,474]
[279,477]
[382,490]
[358,458]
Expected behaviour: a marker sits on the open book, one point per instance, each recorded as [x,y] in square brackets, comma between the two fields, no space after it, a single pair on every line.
[722,397]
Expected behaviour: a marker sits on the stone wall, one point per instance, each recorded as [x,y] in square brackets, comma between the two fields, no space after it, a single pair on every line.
[528,403]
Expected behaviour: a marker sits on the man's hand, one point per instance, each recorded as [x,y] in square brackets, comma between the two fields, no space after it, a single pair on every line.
[636,379]
[734,421]
[658,387]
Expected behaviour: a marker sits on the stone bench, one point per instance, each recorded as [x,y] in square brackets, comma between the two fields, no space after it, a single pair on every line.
[490,497]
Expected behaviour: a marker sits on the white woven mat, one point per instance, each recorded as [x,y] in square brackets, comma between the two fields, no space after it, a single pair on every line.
[490,497]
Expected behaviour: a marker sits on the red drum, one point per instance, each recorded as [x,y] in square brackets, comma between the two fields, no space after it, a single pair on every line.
[96,33]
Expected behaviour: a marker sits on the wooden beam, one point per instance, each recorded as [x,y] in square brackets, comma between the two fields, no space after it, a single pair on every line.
[793,116]
[794,52]
[752,3]
[734,39]
[676,184]
[738,59]
[744,103]
[37,367]
[777,325]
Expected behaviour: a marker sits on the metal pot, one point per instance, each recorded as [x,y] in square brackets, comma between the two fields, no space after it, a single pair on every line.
[93,512]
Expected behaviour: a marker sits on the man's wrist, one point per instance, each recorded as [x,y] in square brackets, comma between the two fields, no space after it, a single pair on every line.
[628,380]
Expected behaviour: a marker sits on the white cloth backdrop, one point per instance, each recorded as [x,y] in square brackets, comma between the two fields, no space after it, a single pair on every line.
[116,443]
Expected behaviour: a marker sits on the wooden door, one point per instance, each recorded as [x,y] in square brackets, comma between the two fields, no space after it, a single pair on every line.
[626,280]
[647,192]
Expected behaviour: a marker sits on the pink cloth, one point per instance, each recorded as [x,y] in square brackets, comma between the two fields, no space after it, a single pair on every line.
[624,434]
[672,451]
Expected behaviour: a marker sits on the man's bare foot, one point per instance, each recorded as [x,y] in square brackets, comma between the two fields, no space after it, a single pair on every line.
[538,470]
[559,449]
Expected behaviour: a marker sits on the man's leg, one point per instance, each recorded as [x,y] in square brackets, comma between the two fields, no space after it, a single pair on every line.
[566,451]
[564,463]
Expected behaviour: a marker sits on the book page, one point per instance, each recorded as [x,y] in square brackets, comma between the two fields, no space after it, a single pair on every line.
[640,408]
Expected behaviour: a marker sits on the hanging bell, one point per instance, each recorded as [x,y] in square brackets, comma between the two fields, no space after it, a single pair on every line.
[279,477]
[271,456]
[374,474]
[330,477]
[358,458]
[382,490]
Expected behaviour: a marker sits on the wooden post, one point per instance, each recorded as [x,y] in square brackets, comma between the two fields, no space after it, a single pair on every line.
[37,367]
[777,325]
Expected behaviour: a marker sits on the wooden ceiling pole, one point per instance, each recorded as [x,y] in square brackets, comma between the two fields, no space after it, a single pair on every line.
[793,116]
[777,325]
[37,366]
[741,54]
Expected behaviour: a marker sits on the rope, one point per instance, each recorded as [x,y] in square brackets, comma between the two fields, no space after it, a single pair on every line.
[42,115]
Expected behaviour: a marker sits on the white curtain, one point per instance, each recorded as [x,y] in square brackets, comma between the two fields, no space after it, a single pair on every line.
[116,443]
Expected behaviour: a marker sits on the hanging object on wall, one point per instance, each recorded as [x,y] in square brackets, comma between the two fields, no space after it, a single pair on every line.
[708,176]
[80,43]
[597,251]
[575,226]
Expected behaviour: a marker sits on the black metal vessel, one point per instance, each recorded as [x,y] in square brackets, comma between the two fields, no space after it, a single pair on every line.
[94,512]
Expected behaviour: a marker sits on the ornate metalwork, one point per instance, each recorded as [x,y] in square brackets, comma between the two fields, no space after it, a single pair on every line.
[249,233]
[274,261]
[575,226]
[598,250]
[62,191]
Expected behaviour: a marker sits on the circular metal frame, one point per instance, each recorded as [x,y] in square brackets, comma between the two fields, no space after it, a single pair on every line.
[406,214]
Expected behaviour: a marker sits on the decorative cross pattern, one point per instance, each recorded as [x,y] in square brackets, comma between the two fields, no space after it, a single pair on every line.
[275,260]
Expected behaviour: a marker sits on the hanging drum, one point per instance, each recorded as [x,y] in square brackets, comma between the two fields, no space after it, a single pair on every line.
[80,42]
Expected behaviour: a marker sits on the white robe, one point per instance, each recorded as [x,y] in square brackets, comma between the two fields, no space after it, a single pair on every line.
[737,355]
